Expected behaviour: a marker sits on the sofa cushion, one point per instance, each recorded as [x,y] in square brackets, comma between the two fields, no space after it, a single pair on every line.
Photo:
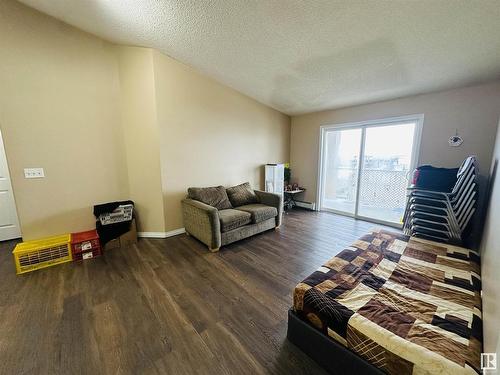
[231,219]
[240,195]
[260,212]
[213,196]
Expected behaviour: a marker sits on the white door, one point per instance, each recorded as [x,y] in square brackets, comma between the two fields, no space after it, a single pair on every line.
[9,224]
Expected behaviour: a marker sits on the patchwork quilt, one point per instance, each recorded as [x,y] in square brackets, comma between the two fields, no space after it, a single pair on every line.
[404,304]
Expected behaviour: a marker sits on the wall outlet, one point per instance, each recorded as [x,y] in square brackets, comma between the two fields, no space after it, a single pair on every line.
[34,173]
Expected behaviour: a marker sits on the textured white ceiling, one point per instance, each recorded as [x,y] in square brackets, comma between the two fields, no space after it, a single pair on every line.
[303,56]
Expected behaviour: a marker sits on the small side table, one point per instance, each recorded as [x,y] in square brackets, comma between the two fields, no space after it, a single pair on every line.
[290,198]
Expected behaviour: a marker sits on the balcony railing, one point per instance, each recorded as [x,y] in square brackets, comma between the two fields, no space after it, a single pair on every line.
[380,190]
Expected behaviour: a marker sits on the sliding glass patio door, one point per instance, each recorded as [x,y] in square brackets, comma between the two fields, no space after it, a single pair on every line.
[365,168]
[342,156]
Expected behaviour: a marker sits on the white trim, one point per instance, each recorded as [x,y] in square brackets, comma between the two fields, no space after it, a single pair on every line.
[417,140]
[320,179]
[171,233]
[377,122]
[417,119]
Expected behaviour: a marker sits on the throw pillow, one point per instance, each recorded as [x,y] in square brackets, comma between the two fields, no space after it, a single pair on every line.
[240,195]
[213,196]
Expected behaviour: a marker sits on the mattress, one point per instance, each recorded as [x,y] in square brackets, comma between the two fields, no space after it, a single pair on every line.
[404,304]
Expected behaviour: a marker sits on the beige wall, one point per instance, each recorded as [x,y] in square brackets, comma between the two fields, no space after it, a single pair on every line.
[211,134]
[94,116]
[490,259]
[59,109]
[473,111]
[141,134]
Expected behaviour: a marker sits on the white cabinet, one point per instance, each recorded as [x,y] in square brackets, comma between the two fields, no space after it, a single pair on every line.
[275,178]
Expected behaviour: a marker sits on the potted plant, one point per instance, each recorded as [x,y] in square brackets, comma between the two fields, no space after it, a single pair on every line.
[287,174]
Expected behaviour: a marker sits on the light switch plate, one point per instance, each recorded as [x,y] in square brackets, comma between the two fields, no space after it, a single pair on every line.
[34,173]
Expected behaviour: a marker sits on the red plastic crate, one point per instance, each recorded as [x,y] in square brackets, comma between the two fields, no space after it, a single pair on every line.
[85,244]
[87,254]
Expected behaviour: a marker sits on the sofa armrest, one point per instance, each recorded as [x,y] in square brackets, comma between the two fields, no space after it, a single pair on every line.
[273,200]
[202,221]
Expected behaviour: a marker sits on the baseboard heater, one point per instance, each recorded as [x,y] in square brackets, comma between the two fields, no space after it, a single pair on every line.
[307,205]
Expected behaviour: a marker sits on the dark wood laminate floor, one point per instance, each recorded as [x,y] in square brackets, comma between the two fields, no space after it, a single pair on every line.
[168,306]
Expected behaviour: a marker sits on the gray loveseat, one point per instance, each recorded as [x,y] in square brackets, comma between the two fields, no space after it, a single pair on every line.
[217,216]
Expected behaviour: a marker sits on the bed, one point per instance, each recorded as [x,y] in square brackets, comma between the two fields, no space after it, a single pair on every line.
[392,304]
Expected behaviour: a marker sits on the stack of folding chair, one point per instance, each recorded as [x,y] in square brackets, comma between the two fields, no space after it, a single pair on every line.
[443,216]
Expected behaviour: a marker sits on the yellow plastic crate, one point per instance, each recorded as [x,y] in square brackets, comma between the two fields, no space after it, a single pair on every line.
[33,255]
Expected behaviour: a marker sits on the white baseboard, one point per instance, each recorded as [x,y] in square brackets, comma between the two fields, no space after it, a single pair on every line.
[308,205]
[171,233]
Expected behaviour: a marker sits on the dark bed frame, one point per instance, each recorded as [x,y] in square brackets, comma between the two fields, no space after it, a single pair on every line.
[332,356]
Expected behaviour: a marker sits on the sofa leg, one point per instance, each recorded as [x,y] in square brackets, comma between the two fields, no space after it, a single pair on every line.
[214,250]
[187,234]
[277,228]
